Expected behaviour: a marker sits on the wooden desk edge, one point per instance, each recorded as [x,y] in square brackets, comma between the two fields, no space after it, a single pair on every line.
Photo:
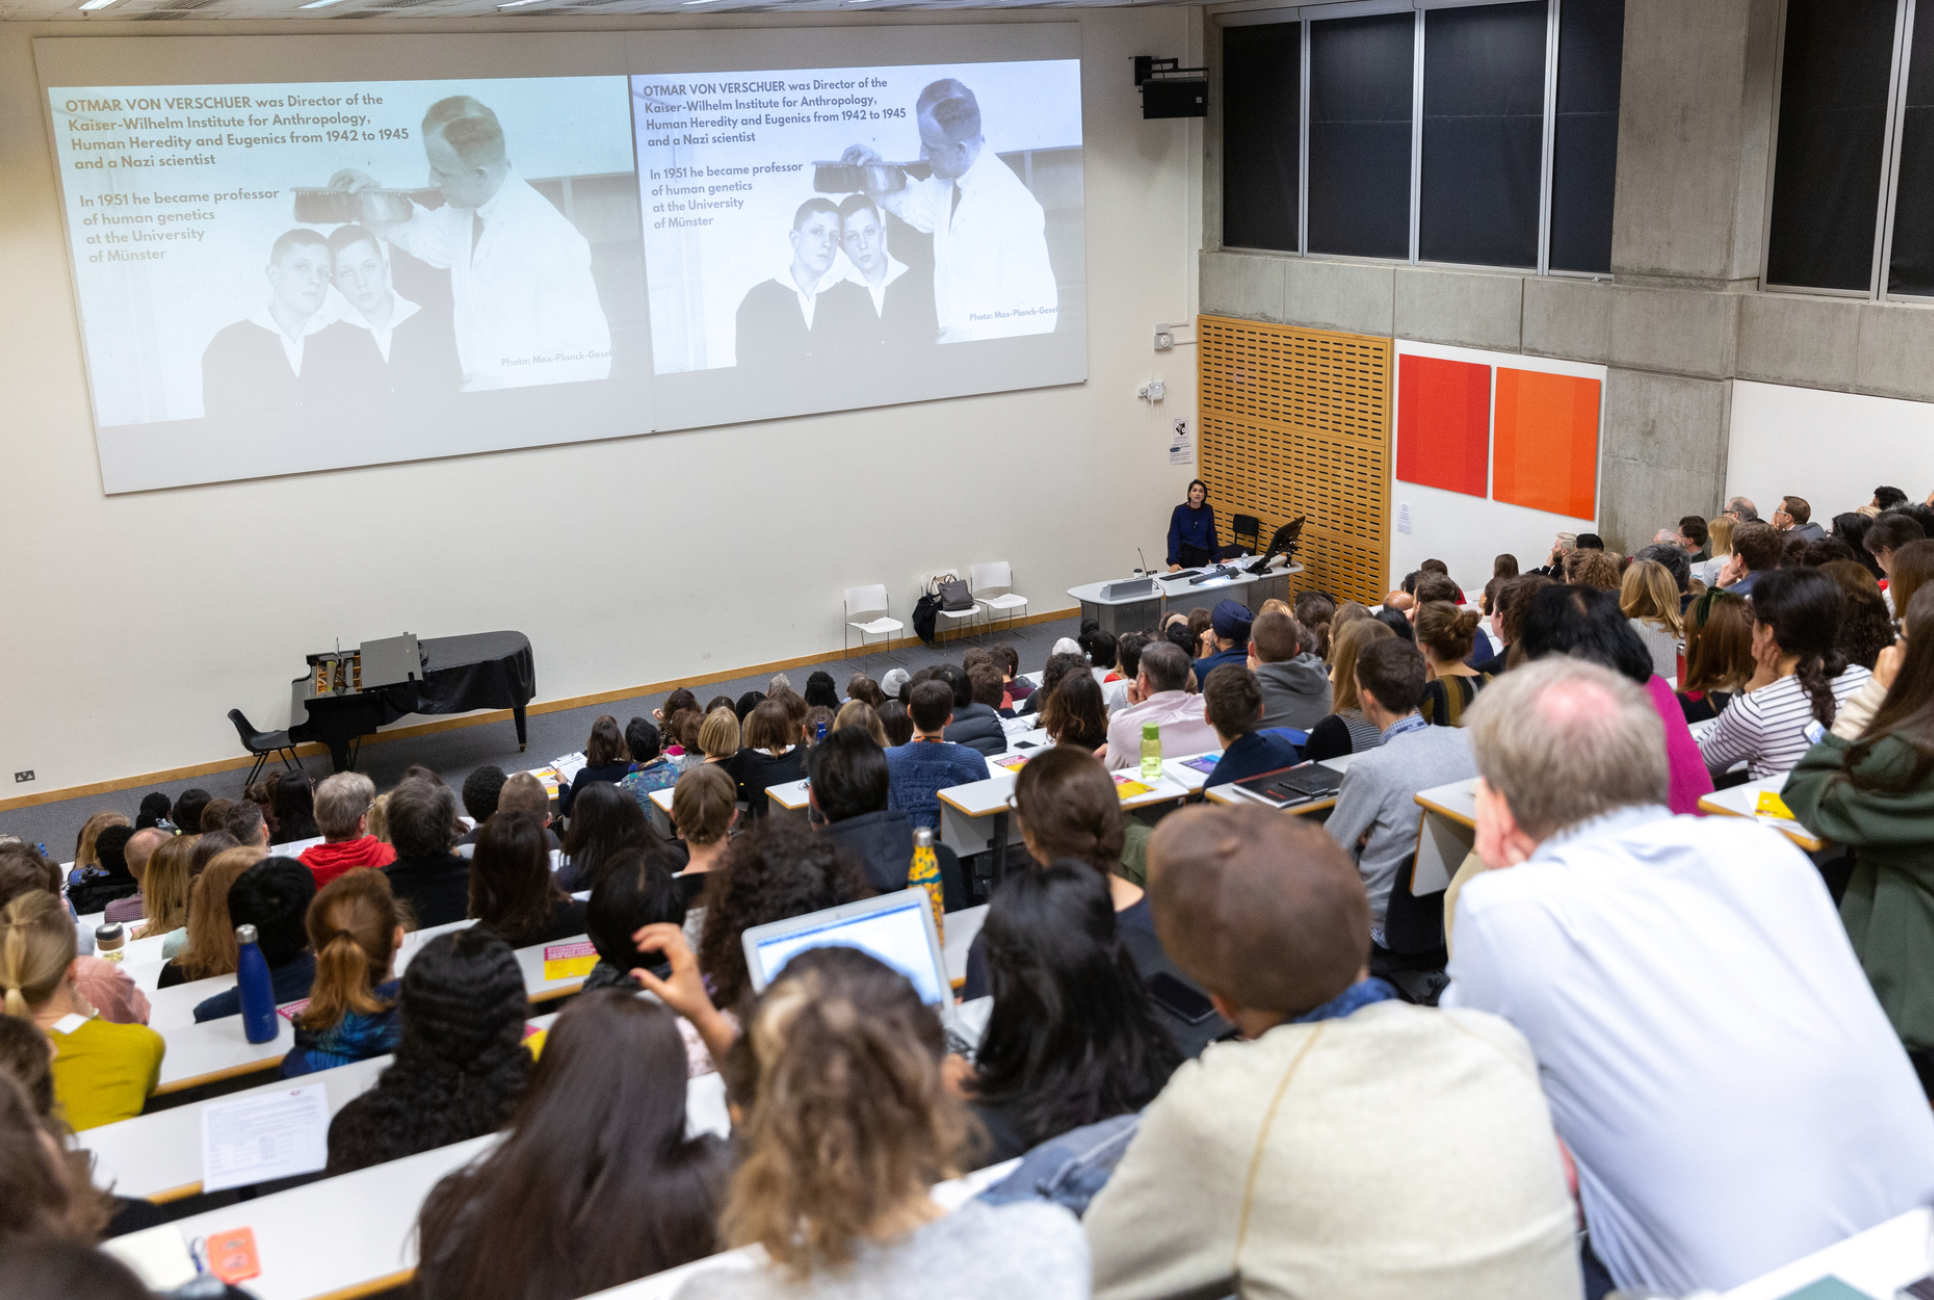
[1460,818]
[969,812]
[1799,834]
[374,1286]
[262,1066]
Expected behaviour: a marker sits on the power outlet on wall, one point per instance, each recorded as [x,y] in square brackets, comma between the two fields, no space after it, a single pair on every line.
[21,778]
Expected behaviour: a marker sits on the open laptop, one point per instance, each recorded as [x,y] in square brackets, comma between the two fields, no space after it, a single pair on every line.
[898,929]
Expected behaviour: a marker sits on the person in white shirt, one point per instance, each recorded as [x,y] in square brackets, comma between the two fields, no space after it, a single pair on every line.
[1716,1061]
[879,302]
[780,325]
[991,274]
[385,346]
[253,370]
[525,304]
[1160,695]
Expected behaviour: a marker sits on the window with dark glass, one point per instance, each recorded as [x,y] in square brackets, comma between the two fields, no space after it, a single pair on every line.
[1912,264]
[1262,74]
[1361,71]
[1584,158]
[1832,132]
[1484,95]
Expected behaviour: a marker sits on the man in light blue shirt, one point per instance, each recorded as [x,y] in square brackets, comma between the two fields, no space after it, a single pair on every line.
[1377,816]
[1715,1059]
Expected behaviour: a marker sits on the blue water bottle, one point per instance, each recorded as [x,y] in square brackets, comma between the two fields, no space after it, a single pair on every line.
[252,981]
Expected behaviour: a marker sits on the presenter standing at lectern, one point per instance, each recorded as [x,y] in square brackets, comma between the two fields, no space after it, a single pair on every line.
[1191,529]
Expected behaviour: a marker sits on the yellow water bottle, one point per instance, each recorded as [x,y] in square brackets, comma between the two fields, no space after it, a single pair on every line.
[924,873]
[1151,752]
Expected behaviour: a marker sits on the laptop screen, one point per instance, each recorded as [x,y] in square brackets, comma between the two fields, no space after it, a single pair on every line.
[896,935]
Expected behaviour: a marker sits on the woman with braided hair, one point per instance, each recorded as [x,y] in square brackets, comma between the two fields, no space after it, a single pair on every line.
[1800,678]
[103,1072]
[460,1065]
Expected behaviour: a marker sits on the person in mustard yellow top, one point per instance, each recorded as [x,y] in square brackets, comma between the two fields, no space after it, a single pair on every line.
[103,1072]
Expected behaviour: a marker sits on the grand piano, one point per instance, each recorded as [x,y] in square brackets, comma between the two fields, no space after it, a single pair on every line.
[348,694]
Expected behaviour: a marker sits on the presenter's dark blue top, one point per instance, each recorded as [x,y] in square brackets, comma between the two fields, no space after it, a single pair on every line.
[1190,526]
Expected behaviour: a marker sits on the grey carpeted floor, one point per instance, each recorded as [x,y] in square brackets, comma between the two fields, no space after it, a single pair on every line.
[455,754]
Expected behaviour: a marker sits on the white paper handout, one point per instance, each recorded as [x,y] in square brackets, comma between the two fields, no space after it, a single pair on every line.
[259,1138]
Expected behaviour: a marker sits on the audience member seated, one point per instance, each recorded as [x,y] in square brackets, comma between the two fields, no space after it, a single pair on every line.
[1719,542]
[718,740]
[135,855]
[1433,585]
[108,879]
[87,856]
[1793,517]
[1316,611]
[102,984]
[214,815]
[1233,700]
[274,897]
[1670,557]
[929,763]
[1348,730]
[850,793]
[1867,787]
[342,813]
[103,1071]
[1058,666]
[605,762]
[1228,640]
[354,931]
[1800,677]
[426,874]
[778,869]
[1587,624]
[482,790]
[1693,533]
[743,706]
[1073,1038]
[820,692]
[1076,713]
[1866,625]
[460,1063]
[165,888]
[244,820]
[896,722]
[524,793]
[1703,955]
[292,808]
[1377,814]
[154,811]
[1286,657]
[1756,552]
[209,950]
[1161,696]
[511,889]
[703,810]
[595,1184]
[841,1055]
[1913,569]
[977,719]
[1445,635]
[636,892]
[1594,567]
[860,714]
[895,683]
[864,690]
[47,1201]
[189,805]
[1008,660]
[1649,598]
[770,755]
[1719,654]
[607,820]
[1414,1154]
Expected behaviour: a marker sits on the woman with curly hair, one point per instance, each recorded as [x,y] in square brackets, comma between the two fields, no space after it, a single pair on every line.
[846,1121]
[781,868]
[1866,627]
[461,1065]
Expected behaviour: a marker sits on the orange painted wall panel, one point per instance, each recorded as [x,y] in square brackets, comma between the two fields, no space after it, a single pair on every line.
[1545,446]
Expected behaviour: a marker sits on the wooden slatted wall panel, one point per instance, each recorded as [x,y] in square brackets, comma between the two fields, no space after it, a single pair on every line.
[1297,422]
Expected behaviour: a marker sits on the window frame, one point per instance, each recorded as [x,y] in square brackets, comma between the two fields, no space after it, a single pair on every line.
[1307,15]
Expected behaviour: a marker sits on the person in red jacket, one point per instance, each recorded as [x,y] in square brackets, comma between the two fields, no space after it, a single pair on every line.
[342,815]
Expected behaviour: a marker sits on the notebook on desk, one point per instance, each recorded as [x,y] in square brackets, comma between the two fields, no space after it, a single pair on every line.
[1294,785]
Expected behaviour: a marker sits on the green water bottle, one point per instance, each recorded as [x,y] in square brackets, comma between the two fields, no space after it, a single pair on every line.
[1151,752]
[924,873]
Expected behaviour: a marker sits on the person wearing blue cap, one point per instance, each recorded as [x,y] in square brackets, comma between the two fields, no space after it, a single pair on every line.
[1229,624]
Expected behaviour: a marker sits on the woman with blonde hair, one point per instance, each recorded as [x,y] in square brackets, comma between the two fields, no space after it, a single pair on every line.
[103,1072]
[354,929]
[1346,730]
[1446,633]
[718,740]
[85,856]
[211,947]
[841,1055]
[1649,599]
[858,713]
[1719,541]
[169,881]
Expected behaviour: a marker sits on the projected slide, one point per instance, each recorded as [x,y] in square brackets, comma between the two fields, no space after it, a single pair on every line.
[821,238]
[283,277]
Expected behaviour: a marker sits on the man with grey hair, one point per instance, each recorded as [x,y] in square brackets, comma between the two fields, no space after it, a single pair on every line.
[991,274]
[525,304]
[1742,510]
[1162,697]
[1715,1058]
[342,815]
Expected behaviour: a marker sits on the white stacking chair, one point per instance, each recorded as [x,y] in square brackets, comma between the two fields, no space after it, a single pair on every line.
[946,618]
[868,613]
[993,588]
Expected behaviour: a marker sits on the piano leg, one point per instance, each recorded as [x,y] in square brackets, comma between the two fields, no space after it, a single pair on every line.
[517,716]
[339,759]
